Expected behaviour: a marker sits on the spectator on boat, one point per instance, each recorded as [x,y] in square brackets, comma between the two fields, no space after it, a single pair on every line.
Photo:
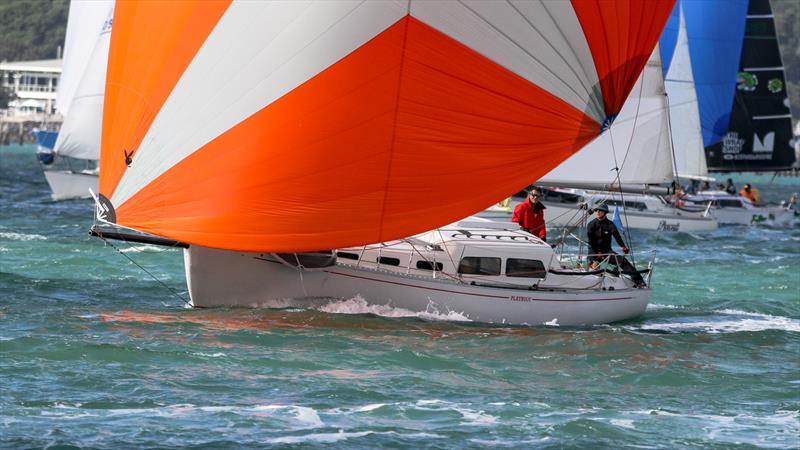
[751,194]
[730,188]
[677,198]
[600,231]
[530,215]
[720,187]
[706,186]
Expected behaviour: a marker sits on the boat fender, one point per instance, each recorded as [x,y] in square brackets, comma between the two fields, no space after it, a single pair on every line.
[611,288]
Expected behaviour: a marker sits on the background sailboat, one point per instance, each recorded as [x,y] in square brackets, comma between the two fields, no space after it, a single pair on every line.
[760,128]
[684,115]
[80,100]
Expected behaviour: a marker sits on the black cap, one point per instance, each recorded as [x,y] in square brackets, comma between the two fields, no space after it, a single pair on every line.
[601,207]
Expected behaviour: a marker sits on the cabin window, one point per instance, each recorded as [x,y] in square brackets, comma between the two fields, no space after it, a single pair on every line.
[561,197]
[628,204]
[389,261]
[729,203]
[525,268]
[347,255]
[429,265]
[474,265]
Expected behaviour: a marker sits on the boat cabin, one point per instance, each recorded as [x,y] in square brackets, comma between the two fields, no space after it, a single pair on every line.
[467,250]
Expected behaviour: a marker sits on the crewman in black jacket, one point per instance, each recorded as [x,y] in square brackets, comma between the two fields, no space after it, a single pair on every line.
[600,231]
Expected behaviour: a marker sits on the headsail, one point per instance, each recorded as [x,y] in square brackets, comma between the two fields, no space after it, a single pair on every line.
[760,127]
[293,126]
[715,29]
[687,139]
[637,145]
[80,132]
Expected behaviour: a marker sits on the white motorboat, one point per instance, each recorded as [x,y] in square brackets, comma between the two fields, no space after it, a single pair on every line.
[570,207]
[731,209]
[484,271]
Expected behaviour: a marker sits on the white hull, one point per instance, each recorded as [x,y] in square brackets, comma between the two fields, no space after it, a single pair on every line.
[225,278]
[776,216]
[735,210]
[66,184]
[561,215]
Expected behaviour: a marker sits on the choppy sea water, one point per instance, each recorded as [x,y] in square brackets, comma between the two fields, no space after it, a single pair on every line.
[96,354]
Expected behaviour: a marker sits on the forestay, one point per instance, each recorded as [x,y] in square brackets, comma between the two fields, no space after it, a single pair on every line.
[294,126]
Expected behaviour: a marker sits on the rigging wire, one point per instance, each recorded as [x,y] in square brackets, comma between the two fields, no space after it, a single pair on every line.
[617,168]
[173,291]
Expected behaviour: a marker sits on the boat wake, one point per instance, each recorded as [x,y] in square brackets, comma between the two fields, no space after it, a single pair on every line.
[720,321]
[357,305]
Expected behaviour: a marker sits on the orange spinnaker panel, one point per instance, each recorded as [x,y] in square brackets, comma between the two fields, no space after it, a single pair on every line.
[621,36]
[152,44]
[410,131]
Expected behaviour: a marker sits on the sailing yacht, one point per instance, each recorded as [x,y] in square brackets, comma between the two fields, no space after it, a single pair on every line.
[71,169]
[759,131]
[300,151]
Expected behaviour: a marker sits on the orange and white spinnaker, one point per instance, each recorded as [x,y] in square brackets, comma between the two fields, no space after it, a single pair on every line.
[303,125]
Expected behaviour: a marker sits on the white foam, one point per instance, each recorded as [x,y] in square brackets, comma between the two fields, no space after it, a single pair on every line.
[371,407]
[319,437]
[732,321]
[23,237]
[357,305]
[342,435]
[656,306]
[210,355]
[302,416]
[144,248]
[624,423]
[473,417]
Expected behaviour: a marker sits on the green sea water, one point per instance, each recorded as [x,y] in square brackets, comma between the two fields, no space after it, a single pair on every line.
[94,353]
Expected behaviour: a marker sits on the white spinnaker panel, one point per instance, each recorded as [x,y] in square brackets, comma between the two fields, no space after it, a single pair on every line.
[79,136]
[638,142]
[86,19]
[541,41]
[258,52]
[687,137]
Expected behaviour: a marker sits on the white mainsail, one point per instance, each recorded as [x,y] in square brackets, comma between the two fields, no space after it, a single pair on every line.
[80,132]
[638,142]
[86,18]
[687,138]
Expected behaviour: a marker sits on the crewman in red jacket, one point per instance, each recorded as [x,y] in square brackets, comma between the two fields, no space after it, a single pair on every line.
[530,215]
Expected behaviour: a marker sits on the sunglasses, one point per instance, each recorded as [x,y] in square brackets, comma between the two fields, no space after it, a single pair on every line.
[535,195]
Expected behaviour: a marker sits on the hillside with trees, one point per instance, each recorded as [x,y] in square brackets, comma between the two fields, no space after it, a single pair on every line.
[32,29]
